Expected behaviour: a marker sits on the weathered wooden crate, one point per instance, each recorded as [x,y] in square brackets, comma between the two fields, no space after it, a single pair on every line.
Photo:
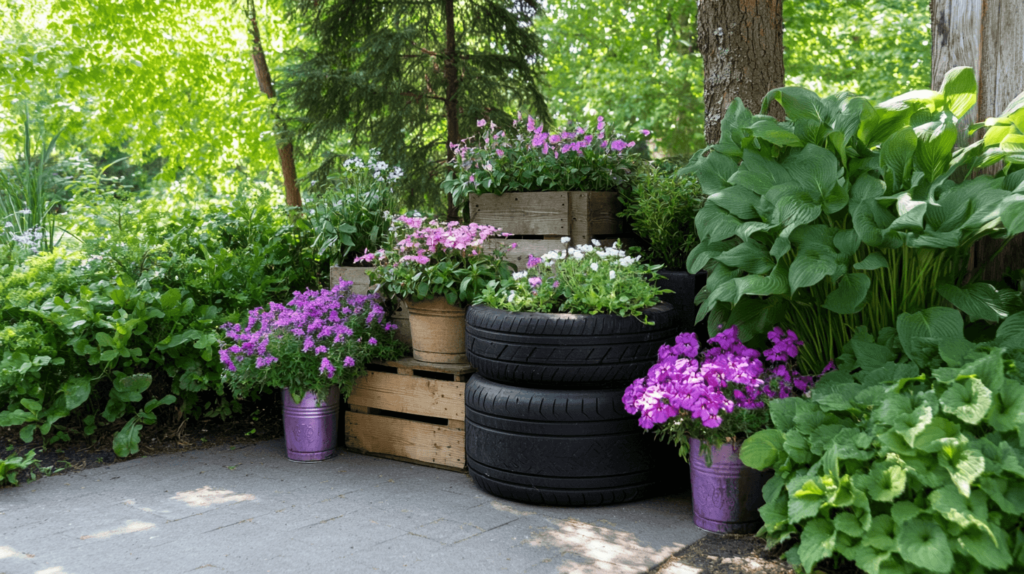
[412,411]
[361,284]
[580,215]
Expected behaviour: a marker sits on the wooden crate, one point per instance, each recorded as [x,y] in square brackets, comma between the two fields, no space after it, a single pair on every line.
[412,411]
[361,285]
[580,215]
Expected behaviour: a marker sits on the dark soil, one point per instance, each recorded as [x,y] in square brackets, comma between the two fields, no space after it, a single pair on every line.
[257,422]
[738,554]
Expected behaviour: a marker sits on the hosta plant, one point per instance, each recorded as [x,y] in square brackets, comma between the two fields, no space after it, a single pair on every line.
[585,279]
[899,468]
[581,157]
[318,340]
[717,395]
[849,213]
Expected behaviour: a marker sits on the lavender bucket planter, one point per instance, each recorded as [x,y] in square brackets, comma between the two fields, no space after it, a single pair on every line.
[311,429]
[726,495]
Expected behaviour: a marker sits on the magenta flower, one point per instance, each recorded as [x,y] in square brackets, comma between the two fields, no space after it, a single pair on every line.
[499,152]
[532,261]
[327,368]
[481,123]
[349,362]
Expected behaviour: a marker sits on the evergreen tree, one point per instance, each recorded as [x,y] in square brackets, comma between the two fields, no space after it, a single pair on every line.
[408,77]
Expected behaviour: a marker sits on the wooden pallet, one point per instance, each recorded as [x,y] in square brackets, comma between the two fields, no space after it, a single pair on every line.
[412,411]
[580,215]
[361,285]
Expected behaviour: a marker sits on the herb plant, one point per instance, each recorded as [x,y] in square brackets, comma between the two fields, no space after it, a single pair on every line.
[586,279]
[349,213]
[849,213]
[439,260]
[318,340]
[528,158]
[718,395]
[661,208]
[899,468]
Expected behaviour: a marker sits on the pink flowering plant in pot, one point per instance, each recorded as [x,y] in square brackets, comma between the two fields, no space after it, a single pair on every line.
[435,259]
[580,157]
[318,340]
[716,395]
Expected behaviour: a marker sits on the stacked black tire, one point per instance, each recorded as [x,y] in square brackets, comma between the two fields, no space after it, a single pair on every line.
[545,422]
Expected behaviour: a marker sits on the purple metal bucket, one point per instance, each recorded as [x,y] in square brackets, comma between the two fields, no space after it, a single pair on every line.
[726,495]
[311,430]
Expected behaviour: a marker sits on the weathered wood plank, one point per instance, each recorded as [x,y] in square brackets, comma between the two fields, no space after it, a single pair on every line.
[594,214]
[357,275]
[527,213]
[446,368]
[413,440]
[410,394]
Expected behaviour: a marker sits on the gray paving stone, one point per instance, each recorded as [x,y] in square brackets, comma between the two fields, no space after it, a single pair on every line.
[250,510]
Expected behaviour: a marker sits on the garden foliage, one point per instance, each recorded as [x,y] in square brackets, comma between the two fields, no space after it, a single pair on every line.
[903,465]
[660,208]
[585,279]
[849,213]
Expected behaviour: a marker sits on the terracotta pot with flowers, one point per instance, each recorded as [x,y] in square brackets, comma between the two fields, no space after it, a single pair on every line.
[707,403]
[439,269]
[313,348]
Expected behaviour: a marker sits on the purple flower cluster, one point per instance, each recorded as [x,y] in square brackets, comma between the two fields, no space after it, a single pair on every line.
[574,140]
[318,319]
[711,387]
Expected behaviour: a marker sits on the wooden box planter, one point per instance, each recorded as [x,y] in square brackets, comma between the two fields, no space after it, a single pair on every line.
[412,411]
[538,220]
[361,285]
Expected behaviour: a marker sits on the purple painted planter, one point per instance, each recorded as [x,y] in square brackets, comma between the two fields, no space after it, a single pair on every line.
[727,494]
[311,430]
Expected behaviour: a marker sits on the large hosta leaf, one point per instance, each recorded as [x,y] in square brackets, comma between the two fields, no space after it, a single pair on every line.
[762,449]
[714,172]
[715,224]
[968,400]
[816,169]
[960,89]
[935,146]
[896,157]
[850,296]
[980,301]
[749,256]
[758,173]
[934,323]
[775,283]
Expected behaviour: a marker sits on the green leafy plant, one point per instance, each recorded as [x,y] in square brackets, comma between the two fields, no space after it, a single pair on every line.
[12,465]
[350,212]
[661,209]
[585,279]
[28,187]
[849,213]
[427,260]
[899,467]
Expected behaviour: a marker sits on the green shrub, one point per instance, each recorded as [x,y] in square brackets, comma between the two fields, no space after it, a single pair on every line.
[661,209]
[849,213]
[903,466]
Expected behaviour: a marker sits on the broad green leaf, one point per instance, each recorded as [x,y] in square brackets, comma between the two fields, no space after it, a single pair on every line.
[815,169]
[895,156]
[935,146]
[715,224]
[965,467]
[1011,331]
[924,544]
[714,172]
[817,542]
[934,322]
[808,270]
[960,90]
[850,296]
[759,174]
[738,201]
[873,261]
[885,483]
[775,133]
[170,298]
[749,256]
[969,400]
[774,284]
[126,441]
[980,301]
[881,533]
[762,449]
[1007,413]
[799,103]
[76,391]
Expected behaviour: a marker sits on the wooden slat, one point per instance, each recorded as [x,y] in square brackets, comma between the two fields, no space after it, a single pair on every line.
[523,213]
[446,368]
[594,214]
[410,394]
[412,440]
[357,275]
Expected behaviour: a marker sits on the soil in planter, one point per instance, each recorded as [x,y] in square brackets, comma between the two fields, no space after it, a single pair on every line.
[258,421]
[739,554]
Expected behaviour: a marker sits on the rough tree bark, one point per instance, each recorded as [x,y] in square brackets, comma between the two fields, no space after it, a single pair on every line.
[285,152]
[451,101]
[741,43]
[987,35]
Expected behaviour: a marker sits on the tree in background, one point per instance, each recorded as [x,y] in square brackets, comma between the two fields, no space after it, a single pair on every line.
[169,81]
[410,77]
[634,62]
[741,43]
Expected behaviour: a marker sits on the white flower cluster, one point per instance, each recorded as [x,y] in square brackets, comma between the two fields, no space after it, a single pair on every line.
[31,239]
[618,256]
[519,275]
[381,170]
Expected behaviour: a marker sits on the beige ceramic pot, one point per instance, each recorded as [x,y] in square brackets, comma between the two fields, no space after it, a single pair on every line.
[438,331]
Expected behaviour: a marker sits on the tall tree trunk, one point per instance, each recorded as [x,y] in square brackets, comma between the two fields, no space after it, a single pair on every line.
[741,43]
[451,101]
[987,35]
[284,150]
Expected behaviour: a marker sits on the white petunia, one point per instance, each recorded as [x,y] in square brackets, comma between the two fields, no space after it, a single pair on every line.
[511,297]
[586,248]
[626,261]
[519,275]
[593,266]
[578,256]
[596,242]
[566,240]
[611,275]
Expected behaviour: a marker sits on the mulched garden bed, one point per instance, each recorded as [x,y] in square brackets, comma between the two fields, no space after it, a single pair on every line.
[259,421]
[735,554]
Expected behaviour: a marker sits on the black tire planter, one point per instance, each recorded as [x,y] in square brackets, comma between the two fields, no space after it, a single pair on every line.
[565,448]
[566,351]
[684,287]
